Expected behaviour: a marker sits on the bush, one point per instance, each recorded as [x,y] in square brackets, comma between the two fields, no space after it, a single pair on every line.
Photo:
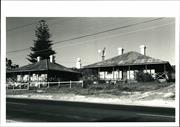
[144,77]
[89,76]
[101,81]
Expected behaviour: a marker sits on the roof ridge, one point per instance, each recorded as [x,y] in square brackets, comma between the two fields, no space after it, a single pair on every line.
[128,58]
[43,65]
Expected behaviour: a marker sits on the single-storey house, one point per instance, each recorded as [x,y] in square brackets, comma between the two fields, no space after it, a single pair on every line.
[42,71]
[126,65]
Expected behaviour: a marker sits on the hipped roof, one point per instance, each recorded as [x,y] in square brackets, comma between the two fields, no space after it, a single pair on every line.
[129,58]
[42,65]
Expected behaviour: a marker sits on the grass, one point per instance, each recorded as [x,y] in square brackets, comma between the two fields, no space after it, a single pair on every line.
[102,88]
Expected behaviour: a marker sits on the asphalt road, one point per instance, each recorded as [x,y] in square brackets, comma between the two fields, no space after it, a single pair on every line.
[35,110]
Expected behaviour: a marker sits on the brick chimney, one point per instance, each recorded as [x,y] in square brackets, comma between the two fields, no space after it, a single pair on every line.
[52,58]
[120,51]
[38,58]
[143,49]
[78,63]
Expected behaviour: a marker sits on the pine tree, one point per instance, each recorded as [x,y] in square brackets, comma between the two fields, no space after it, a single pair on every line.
[42,44]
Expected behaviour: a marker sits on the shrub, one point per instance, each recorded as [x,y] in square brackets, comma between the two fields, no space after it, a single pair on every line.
[89,76]
[144,77]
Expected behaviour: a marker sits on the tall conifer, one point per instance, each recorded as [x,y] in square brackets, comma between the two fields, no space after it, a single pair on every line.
[42,44]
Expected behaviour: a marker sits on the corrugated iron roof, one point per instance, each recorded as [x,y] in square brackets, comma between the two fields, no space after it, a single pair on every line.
[42,65]
[129,58]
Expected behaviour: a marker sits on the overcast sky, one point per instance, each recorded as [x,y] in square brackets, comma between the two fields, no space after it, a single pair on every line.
[158,34]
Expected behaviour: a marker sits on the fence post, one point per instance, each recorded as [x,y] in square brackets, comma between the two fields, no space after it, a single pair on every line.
[70,83]
[82,84]
[39,84]
[59,83]
[28,86]
[20,85]
[48,84]
[13,87]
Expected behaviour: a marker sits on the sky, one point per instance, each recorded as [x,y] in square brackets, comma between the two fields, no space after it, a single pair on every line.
[82,37]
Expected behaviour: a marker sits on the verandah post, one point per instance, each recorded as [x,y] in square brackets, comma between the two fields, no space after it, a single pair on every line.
[29,82]
[164,68]
[113,73]
[166,76]
[146,68]
[21,80]
[99,73]
[129,71]
[118,74]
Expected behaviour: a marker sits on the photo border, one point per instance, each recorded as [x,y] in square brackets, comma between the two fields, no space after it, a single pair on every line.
[90,9]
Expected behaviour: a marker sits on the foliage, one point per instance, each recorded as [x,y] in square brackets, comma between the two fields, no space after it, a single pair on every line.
[10,65]
[89,76]
[42,44]
[144,77]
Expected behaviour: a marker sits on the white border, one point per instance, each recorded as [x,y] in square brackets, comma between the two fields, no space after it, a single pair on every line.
[87,9]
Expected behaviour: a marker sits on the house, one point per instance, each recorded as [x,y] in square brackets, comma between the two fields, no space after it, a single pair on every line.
[42,71]
[126,65]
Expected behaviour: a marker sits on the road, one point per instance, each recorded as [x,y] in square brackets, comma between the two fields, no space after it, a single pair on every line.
[35,110]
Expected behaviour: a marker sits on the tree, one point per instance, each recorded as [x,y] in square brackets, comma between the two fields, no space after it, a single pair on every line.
[9,64]
[42,44]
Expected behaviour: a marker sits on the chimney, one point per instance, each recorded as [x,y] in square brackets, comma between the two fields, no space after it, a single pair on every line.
[120,51]
[143,49]
[38,58]
[103,53]
[78,63]
[52,58]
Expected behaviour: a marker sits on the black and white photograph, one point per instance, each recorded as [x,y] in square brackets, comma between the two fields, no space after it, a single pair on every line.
[66,69]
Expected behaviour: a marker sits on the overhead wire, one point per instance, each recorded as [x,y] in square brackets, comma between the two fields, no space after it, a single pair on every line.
[113,29]
[34,23]
[87,35]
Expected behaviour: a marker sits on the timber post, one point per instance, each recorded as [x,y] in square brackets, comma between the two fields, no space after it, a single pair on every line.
[113,73]
[129,71]
[146,68]
[59,83]
[99,73]
[82,84]
[70,83]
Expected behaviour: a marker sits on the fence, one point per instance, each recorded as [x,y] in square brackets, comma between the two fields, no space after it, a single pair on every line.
[27,85]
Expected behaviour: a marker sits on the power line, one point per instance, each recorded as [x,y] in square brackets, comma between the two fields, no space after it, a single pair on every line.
[33,23]
[113,29]
[114,35]
[19,50]
[19,27]
[93,34]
